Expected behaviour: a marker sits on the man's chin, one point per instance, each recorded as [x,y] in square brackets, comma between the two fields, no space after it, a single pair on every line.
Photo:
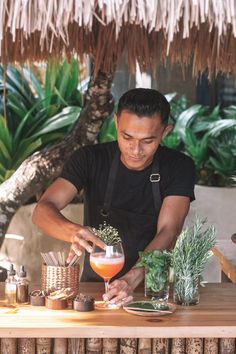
[135,164]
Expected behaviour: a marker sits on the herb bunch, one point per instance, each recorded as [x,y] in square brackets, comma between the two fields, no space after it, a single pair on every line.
[156,264]
[189,257]
[108,234]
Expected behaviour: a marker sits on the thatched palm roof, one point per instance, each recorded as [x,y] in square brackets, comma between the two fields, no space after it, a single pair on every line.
[150,31]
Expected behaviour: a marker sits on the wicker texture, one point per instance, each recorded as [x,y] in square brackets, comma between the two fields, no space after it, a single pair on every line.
[54,277]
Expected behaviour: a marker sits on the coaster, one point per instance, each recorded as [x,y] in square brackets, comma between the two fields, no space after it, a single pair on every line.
[103,305]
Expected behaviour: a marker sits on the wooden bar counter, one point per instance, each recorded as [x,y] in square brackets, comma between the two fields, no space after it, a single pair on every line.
[214,316]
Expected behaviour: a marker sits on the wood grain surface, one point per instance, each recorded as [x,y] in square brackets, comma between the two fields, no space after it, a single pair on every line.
[214,316]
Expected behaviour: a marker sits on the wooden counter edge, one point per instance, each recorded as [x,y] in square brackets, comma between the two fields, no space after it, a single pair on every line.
[114,332]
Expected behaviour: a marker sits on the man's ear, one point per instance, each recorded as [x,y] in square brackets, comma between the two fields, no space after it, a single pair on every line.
[167,129]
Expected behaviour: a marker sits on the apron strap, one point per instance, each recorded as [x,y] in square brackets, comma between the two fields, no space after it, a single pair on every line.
[154,179]
[110,184]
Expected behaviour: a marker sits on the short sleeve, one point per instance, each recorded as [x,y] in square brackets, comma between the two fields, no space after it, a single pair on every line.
[181,178]
[75,169]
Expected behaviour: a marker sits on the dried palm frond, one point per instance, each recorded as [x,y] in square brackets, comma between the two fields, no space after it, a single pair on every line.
[148,31]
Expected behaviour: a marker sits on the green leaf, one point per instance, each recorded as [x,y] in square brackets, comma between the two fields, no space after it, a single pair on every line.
[67,117]
[25,149]
[185,120]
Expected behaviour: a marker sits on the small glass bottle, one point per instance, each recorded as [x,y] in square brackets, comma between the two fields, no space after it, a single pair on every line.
[22,287]
[10,286]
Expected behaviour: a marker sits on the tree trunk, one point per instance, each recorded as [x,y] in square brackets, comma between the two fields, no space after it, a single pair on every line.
[47,164]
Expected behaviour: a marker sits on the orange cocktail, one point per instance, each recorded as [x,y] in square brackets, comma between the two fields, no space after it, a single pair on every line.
[106,267]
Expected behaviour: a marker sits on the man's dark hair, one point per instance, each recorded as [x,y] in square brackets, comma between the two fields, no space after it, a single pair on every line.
[144,103]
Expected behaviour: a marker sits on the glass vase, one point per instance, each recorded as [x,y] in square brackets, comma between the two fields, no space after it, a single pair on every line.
[159,291]
[186,290]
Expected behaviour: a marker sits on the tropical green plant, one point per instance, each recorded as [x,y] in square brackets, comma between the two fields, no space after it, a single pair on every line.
[34,114]
[209,137]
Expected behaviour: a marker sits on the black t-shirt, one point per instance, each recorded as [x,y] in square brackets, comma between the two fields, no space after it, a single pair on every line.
[132,209]
[89,167]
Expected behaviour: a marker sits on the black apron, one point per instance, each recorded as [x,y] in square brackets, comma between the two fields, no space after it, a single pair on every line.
[135,230]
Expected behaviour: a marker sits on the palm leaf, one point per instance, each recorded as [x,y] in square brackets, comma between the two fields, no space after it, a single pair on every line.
[218,127]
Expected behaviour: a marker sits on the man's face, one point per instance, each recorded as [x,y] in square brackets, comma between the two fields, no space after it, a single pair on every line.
[139,138]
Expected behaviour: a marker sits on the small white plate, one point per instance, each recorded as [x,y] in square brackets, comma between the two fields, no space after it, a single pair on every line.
[134,309]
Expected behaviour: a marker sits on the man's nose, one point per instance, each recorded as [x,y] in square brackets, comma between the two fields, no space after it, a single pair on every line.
[136,147]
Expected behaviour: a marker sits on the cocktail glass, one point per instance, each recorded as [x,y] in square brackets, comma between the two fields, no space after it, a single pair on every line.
[107,263]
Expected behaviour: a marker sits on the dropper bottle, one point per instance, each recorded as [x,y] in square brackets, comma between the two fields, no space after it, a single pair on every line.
[22,287]
[10,286]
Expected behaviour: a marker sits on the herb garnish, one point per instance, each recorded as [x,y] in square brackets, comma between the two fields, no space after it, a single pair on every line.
[108,234]
[191,252]
[157,264]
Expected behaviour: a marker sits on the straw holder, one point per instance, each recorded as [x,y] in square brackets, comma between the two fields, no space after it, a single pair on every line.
[55,277]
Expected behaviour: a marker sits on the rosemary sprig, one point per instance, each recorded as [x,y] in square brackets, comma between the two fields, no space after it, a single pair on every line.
[108,234]
[191,252]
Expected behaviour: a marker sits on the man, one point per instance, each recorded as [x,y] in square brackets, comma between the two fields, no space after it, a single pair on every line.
[134,184]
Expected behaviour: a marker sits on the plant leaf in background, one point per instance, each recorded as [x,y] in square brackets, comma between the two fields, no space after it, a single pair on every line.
[37,114]
[209,137]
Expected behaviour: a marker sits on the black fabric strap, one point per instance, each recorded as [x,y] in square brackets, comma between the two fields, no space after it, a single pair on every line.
[155,180]
[110,184]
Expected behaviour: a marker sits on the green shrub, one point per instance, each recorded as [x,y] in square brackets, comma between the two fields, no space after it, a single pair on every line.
[34,114]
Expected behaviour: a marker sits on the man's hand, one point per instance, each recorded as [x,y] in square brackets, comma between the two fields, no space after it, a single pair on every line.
[121,290]
[119,293]
[81,240]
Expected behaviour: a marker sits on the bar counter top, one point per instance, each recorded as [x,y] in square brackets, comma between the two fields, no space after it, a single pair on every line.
[214,316]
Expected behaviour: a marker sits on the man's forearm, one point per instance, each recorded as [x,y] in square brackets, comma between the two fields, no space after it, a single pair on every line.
[49,219]
[134,277]
[164,240]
